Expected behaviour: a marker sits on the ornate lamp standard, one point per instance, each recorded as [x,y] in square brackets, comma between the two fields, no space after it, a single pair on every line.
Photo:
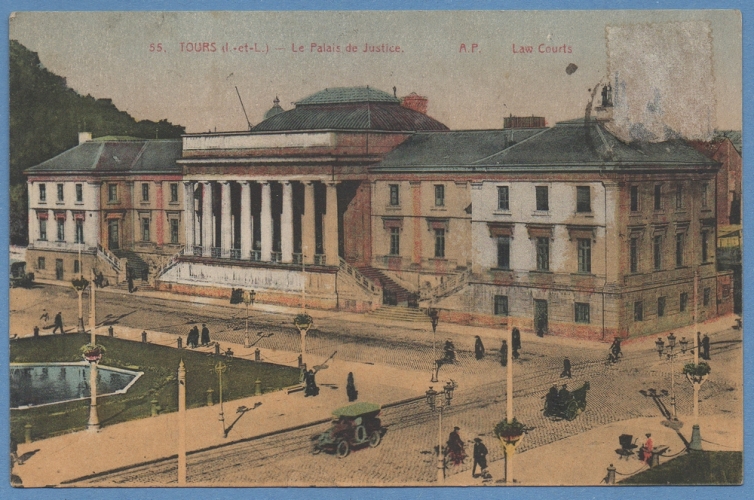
[303,322]
[248,299]
[80,285]
[434,317]
[671,356]
[433,404]
[93,354]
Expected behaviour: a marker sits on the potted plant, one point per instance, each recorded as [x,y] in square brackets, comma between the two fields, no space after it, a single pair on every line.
[509,432]
[696,372]
[303,321]
[92,352]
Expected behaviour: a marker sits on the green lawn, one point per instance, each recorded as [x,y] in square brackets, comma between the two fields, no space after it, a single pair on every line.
[160,367]
[697,467]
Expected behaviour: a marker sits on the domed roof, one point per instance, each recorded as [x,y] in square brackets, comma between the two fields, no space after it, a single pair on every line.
[349,108]
[275,109]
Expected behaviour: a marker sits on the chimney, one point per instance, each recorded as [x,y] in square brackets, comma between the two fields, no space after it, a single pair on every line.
[84,137]
[415,102]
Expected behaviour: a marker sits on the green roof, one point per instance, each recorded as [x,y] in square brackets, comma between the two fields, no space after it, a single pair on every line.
[106,138]
[341,95]
[357,410]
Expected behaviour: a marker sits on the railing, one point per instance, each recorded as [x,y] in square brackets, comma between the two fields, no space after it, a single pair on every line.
[276,256]
[235,253]
[362,280]
[173,261]
[320,259]
[298,258]
[108,256]
[61,245]
[448,286]
[216,252]
[197,251]
[256,255]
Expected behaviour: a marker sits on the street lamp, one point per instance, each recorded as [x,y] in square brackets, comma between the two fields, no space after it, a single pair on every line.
[248,299]
[660,344]
[432,401]
[434,317]
[303,322]
[80,285]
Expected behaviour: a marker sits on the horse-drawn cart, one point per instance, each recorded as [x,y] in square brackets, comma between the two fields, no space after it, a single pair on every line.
[566,404]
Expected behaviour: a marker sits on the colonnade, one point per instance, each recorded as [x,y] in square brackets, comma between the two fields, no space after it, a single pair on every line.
[202,217]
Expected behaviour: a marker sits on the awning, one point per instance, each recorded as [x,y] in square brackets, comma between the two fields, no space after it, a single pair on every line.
[60,215]
[498,229]
[42,214]
[79,215]
[539,230]
[581,232]
[392,222]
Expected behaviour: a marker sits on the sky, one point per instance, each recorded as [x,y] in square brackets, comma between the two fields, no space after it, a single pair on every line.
[472,66]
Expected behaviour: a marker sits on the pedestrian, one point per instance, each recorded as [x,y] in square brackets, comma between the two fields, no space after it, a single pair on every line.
[566,368]
[130,280]
[540,332]
[311,385]
[193,337]
[456,447]
[353,394]
[205,335]
[516,342]
[705,347]
[14,458]
[645,453]
[480,457]
[45,317]
[478,348]
[58,323]
[504,353]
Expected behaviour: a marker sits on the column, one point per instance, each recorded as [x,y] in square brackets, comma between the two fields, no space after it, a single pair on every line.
[92,222]
[286,223]
[226,230]
[330,233]
[266,222]
[188,227]
[308,241]
[207,236]
[246,221]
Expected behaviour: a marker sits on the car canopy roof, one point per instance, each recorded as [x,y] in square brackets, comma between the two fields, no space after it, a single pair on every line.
[357,410]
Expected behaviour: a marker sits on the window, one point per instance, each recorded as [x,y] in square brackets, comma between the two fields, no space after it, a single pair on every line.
[439,195]
[60,192]
[43,229]
[41,263]
[395,199]
[61,230]
[679,197]
[440,243]
[683,300]
[395,241]
[582,312]
[706,297]
[585,255]
[658,252]
[79,231]
[504,252]
[42,193]
[705,244]
[543,203]
[76,266]
[638,311]
[679,244]
[705,188]
[501,305]
[658,196]
[79,193]
[583,199]
[503,199]
[661,307]
[112,193]
[174,193]
[634,254]
[145,229]
[634,198]
[543,254]
[144,191]
[174,231]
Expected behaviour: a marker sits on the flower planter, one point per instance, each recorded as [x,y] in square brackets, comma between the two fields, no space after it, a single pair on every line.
[303,321]
[92,353]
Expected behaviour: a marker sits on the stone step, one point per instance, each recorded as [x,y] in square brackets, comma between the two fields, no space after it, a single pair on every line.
[399,314]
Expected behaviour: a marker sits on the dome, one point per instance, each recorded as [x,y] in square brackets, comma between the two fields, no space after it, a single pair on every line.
[275,109]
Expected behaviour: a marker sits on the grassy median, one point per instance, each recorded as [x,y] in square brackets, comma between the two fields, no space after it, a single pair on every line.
[696,468]
[160,367]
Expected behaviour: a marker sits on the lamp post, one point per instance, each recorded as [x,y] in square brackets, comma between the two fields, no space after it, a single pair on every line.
[80,285]
[248,299]
[671,356]
[433,405]
[221,368]
[181,424]
[93,354]
[92,313]
[434,317]
[303,322]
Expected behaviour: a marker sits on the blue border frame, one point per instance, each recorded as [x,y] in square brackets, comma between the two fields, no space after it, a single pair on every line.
[8,6]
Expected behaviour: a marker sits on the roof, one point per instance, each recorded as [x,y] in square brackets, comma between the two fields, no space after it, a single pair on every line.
[734,136]
[574,144]
[356,410]
[349,108]
[341,95]
[118,156]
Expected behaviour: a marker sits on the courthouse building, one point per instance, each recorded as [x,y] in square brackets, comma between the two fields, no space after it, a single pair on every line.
[357,200]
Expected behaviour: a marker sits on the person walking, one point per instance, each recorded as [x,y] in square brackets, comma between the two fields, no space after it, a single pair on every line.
[193,337]
[456,447]
[205,335]
[58,323]
[566,368]
[311,385]
[45,317]
[705,347]
[353,394]
[480,458]
[130,280]
[515,342]
[478,348]
[504,353]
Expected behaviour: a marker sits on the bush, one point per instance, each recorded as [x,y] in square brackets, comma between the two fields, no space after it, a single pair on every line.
[508,429]
[693,370]
[303,320]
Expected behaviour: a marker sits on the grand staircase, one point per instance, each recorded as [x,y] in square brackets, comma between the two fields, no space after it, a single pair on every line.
[392,293]
[397,313]
[136,264]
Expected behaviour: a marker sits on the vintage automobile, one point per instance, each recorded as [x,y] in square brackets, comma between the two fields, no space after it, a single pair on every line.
[353,426]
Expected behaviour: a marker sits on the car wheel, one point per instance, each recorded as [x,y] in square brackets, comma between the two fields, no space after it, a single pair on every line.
[375,439]
[343,449]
